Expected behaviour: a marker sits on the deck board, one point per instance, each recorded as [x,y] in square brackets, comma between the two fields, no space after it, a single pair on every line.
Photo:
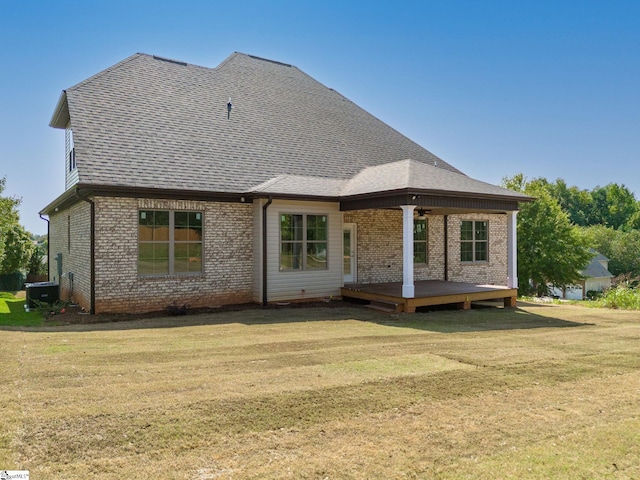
[431,292]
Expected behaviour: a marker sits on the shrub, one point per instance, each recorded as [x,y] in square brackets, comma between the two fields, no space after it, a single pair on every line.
[175,309]
[49,309]
[12,282]
[37,264]
[621,296]
[593,294]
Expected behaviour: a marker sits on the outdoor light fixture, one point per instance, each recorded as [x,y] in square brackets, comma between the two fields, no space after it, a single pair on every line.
[422,213]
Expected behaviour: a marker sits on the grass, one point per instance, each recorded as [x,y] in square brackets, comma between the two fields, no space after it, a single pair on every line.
[542,391]
[12,311]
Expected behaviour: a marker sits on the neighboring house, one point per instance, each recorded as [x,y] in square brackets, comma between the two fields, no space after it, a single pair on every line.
[253,182]
[597,278]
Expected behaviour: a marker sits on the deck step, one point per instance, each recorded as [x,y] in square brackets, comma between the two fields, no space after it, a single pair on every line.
[387,307]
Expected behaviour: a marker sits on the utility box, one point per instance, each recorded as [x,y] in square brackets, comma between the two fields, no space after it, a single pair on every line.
[42,291]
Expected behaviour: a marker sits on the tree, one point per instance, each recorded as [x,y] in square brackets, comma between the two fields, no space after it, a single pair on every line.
[614,205]
[15,242]
[619,246]
[17,249]
[550,248]
[577,203]
[634,221]
[37,264]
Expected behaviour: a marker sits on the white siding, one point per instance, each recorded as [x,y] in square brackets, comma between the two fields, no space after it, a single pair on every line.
[70,176]
[598,284]
[305,284]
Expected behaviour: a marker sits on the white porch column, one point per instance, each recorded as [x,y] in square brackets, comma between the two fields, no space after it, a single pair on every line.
[408,289]
[512,250]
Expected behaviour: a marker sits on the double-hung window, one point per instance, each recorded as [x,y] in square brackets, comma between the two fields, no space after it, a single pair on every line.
[303,242]
[420,240]
[474,241]
[169,242]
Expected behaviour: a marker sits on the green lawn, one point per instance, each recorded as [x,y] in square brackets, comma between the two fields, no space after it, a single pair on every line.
[537,392]
[12,312]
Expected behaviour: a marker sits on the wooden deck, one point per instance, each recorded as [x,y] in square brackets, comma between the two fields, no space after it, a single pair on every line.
[430,292]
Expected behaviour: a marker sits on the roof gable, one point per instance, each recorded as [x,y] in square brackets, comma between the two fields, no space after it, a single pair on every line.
[149,122]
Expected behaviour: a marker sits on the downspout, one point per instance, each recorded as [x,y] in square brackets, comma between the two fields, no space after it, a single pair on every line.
[264,251]
[446,248]
[48,245]
[92,261]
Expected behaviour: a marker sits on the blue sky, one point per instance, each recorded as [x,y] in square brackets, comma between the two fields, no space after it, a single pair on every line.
[545,88]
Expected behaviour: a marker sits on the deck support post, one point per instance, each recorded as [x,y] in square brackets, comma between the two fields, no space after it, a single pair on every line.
[408,288]
[510,302]
[512,250]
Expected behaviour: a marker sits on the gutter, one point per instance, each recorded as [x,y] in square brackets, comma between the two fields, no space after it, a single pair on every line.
[264,251]
[48,246]
[92,248]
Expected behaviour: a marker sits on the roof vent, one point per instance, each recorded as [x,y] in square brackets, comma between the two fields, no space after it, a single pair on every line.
[168,60]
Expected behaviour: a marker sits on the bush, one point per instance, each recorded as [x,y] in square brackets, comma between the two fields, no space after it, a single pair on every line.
[622,296]
[47,310]
[37,264]
[593,294]
[175,309]
[12,282]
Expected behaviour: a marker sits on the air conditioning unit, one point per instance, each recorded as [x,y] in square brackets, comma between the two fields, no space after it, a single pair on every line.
[42,291]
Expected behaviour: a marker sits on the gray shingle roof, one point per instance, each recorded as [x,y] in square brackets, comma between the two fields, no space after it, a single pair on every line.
[151,123]
[414,175]
[596,269]
[401,175]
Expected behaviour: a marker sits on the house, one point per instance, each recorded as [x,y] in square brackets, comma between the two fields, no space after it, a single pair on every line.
[253,182]
[597,278]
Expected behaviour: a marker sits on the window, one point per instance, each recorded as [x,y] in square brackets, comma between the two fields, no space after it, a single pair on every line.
[303,242]
[169,242]
[72,159]
[474,241]
[420,237]
[70,149]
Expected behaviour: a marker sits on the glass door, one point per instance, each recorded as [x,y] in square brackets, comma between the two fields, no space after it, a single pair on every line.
[349,255]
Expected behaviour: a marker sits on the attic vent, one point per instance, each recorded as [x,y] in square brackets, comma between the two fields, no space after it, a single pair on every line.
[270,61]
[162,59]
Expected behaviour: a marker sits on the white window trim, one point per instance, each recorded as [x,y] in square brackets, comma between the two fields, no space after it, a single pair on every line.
[304,242]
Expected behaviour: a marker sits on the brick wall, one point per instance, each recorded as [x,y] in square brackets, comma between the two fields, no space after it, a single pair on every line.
[227,262]
[493,272]
[70,236]
[228,254]
[379,248]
